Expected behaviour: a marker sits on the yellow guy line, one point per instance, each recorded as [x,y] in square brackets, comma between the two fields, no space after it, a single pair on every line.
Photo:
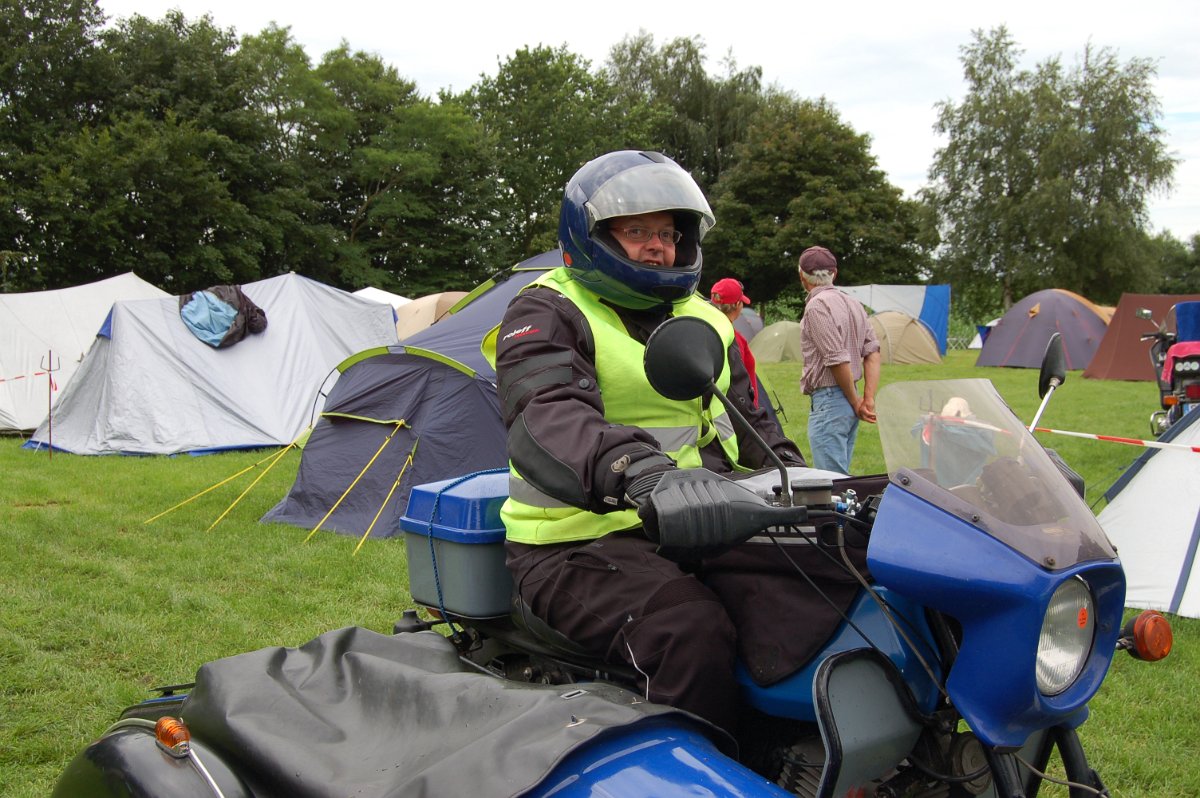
[250,487]
[276,456]
[346,493]
[407,462]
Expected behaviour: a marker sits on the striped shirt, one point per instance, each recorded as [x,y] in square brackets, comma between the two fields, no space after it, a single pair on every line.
[833,330]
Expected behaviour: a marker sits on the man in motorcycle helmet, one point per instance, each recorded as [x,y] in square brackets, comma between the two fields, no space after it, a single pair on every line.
[588,437]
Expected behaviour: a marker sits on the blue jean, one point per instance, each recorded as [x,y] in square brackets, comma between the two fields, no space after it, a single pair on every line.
[832,430]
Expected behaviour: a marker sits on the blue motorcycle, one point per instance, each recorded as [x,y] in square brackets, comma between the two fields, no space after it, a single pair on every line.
[978,625]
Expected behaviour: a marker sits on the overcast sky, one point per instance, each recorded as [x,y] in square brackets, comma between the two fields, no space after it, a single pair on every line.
[883,65]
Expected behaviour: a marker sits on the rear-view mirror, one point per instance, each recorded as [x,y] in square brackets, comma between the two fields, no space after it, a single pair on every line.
[684,358]
[1054,365]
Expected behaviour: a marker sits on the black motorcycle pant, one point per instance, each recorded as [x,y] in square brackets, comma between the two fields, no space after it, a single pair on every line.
[621,601]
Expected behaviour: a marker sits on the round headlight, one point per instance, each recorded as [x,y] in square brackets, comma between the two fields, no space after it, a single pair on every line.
[1066,639]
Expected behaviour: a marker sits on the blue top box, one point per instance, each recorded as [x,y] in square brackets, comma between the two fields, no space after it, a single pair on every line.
[469,512]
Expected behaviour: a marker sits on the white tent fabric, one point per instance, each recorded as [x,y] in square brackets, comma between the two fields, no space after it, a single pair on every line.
[379,295]
[149,386]
[1153,518]
[929,303]
[977,341]
[52,329]
[905,298]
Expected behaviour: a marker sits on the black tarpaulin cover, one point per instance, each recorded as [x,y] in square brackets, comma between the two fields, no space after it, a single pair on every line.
[357,713]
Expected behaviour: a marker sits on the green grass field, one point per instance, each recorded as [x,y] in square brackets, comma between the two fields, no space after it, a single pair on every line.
[99,607]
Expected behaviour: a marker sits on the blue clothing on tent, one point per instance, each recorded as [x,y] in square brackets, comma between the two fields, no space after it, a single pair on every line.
[208,317]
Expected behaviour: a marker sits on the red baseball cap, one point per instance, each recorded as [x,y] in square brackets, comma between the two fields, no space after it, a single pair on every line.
[729,291]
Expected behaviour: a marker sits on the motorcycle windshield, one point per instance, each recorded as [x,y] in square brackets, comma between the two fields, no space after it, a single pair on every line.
[961,448]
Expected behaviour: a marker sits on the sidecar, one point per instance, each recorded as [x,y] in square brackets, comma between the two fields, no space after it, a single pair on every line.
[354,712]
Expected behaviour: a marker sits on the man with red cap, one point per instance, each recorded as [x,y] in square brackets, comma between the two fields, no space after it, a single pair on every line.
[729,297]
[840,348]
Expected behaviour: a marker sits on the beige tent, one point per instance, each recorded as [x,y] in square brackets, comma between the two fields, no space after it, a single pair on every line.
[424,311]
[777,342]
[904,339]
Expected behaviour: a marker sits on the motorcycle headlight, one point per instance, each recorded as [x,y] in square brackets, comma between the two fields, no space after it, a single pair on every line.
[1066,639]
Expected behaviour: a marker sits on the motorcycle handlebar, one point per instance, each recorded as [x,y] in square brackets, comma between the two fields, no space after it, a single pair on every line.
[697,509]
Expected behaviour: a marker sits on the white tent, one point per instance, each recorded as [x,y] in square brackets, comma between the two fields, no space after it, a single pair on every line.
[52,329]
[149,386]
[929,303]
[379,295]
[1153,518]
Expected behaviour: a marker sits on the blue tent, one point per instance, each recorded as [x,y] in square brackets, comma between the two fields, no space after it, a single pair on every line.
[406,415]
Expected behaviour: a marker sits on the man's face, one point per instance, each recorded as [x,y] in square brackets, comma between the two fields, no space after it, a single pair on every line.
[657,247]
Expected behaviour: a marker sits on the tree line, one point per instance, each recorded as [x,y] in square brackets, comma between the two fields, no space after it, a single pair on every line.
[178,150]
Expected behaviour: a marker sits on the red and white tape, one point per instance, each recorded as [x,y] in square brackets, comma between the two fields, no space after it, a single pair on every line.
[1127,441]
[31,376]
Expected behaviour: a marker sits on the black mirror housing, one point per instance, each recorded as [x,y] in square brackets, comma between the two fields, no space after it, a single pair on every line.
[1054,366]
[684,357]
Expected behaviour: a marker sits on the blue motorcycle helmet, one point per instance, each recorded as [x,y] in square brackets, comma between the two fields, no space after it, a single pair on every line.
[628,183]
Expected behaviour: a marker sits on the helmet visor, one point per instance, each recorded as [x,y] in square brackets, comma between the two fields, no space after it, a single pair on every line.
[650,188]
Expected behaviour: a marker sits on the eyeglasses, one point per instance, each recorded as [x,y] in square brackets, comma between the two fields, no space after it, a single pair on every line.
[640,235]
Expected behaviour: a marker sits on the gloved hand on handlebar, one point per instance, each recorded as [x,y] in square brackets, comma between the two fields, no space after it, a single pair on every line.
[637,493]
[701,513]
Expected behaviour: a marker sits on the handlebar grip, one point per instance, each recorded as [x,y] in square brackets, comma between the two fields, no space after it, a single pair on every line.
[697,509]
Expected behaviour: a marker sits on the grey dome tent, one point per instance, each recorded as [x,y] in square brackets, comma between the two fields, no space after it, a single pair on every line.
[1019,338]
[149,386]
[432,399]
[748,323]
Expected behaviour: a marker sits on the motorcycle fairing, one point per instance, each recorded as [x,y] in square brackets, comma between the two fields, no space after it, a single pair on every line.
[793,697]
[868,719]
[1000,597]
[654,758]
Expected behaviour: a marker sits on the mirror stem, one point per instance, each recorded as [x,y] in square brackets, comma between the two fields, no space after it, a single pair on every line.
[1054,383]
[785,483]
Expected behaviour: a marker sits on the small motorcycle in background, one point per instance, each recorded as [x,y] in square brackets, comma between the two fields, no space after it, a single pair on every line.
[1175,355]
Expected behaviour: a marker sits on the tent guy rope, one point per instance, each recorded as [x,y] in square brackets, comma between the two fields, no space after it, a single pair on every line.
[407,462]
[274,458]
[398,426]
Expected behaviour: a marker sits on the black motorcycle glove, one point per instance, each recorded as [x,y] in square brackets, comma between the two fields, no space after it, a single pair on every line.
[695,513]
[637,493]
